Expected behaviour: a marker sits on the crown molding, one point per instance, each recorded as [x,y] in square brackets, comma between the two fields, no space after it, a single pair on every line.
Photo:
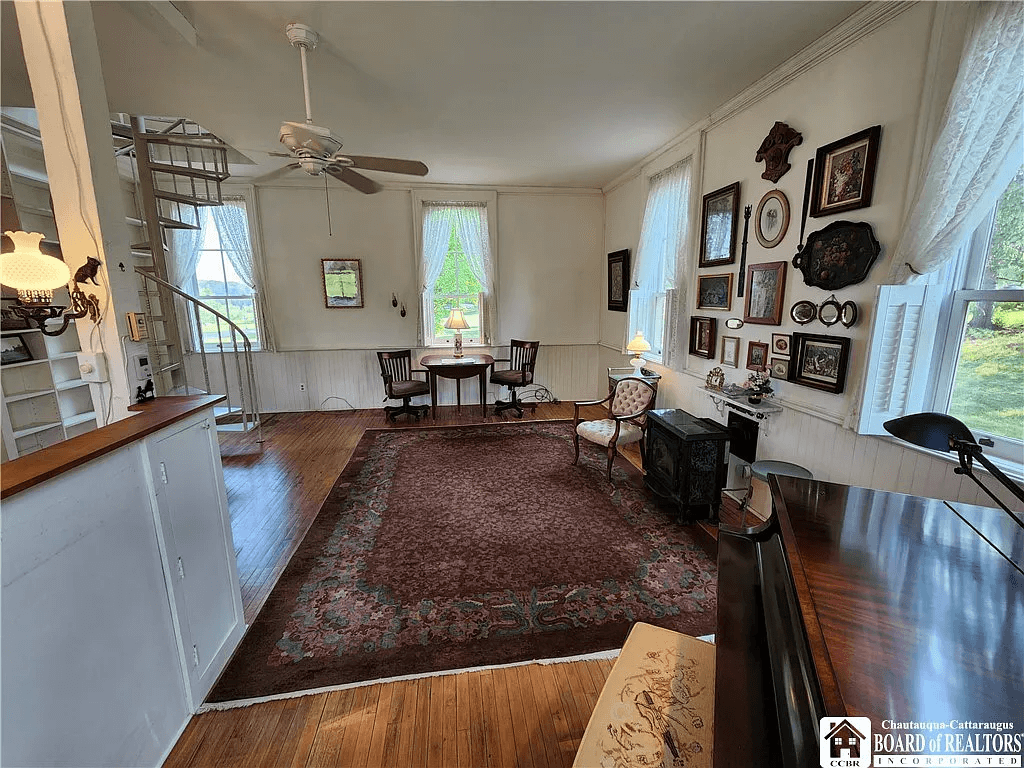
[860,24]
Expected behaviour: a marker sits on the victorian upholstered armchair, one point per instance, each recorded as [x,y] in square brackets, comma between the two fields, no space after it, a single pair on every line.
[628,402]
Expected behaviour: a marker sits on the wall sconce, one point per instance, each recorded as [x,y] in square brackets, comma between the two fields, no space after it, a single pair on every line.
[457,321]
[35,276]
[638,345]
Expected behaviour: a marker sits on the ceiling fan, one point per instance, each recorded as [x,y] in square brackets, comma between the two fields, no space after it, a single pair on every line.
[316,151]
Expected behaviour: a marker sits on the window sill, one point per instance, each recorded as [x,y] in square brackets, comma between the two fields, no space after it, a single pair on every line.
[1011,469]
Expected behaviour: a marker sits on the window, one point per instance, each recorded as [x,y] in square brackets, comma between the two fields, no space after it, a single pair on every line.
[656,275]
[215,264]
[955,343]
[457,271]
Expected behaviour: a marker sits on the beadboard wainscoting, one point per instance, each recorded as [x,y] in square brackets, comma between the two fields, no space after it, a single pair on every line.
[350,378]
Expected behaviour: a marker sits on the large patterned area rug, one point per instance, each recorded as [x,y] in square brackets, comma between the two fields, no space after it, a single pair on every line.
[452,547]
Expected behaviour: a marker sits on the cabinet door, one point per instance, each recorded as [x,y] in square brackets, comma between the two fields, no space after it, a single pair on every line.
[199,551]
[662,457]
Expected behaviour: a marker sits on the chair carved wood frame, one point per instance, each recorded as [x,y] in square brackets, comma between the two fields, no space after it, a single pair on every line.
[628,403]
[397,371]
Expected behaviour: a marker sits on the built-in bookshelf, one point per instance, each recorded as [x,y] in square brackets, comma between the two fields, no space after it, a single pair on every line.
[45,399]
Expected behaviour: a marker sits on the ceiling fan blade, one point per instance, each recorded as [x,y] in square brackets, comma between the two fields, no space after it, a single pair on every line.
[275,174]
[355,180]
[389,164]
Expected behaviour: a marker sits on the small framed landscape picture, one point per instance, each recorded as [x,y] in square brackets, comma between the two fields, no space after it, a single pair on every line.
[780,368]
[731,351]
[13,349]
[343,283]
[781,344]
[714,291]
[757,356]
[618,280]
[702,336]
[820,361]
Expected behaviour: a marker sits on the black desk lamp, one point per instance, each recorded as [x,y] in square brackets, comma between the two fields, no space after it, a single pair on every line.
[941,432]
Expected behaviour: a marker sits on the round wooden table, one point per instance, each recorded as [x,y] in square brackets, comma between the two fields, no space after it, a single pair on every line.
[458,368]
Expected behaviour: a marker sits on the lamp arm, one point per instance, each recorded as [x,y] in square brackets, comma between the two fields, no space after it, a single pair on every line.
[968,451]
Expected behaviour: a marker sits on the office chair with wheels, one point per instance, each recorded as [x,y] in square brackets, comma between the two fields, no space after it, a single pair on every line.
[397,371]
[522,359]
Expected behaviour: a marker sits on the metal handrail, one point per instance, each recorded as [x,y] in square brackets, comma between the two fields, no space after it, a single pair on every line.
[249,380]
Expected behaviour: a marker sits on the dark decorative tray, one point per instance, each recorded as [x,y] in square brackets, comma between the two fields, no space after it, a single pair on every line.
[839,255]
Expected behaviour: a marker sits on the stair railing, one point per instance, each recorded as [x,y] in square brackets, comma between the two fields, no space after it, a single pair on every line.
[248,395]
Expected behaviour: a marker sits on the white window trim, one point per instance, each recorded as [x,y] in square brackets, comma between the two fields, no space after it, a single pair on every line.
[455,195]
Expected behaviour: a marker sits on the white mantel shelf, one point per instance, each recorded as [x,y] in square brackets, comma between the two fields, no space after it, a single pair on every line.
[761,411]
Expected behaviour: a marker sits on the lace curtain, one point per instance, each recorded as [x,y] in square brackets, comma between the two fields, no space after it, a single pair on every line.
[979,146]
[658,286]
[470,222]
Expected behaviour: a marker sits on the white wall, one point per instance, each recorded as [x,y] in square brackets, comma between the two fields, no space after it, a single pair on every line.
[550,283]
[881,79]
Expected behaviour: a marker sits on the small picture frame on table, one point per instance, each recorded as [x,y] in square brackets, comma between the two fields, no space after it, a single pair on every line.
[718,222]
[618,280]
[757,356]
[820,361]
[714,291]
[731,351]
[780,368]
[702,336]
[844,173]
[14,349]
[343,283]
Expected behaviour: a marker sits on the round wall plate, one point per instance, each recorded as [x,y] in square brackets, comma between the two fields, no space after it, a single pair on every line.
[803,312]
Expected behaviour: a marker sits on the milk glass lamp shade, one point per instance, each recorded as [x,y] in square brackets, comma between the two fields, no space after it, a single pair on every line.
[457,322]
[27,269]
[638,345]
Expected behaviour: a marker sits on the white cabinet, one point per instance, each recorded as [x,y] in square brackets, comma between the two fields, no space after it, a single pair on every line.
[194,528]
[45,399]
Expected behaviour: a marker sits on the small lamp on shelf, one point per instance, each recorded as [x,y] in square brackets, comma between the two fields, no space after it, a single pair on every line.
[457,321]
[638,345]
[35,276]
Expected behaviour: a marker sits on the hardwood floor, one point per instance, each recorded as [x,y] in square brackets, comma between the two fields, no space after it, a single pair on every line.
[531,716]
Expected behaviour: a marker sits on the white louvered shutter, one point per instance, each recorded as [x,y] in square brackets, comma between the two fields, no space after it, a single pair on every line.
[902,342]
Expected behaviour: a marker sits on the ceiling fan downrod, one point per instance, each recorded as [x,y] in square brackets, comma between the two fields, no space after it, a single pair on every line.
[303,37]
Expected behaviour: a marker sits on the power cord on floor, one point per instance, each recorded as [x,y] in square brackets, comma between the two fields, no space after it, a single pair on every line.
[539,395]
[335,397]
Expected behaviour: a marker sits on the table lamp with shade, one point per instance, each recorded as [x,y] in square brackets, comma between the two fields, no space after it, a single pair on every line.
[638,345]
[457,321]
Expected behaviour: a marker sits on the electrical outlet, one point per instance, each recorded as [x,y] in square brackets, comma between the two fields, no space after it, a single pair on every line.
[302,387]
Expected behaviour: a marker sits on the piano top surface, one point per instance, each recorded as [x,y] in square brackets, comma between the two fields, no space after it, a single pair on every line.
[911,614]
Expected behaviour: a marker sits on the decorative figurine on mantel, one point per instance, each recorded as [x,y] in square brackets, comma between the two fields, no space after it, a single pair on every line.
[775,149]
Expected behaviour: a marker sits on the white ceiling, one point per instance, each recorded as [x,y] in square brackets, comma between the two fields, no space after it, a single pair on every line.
[499,93]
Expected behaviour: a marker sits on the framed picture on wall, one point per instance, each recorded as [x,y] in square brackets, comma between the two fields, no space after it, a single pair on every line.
[766,284]
[702,336]
[757,356]
[844,173]
[781,344]
[13,349]
[618,280]
[714,291]
[820,361]
[731,351]
[718,219]
[343,283]
[780,368]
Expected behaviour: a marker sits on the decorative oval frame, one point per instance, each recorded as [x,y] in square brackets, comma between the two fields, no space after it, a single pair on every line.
[848,314]
[829,311]
[803,312]
[762,238]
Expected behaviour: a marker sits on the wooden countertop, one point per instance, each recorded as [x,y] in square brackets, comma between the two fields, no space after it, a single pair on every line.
[20,474]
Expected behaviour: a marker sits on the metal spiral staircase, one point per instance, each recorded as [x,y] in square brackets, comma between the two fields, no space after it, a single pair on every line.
[178,169]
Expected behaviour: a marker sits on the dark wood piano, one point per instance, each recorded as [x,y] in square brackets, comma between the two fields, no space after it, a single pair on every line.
[853,602]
